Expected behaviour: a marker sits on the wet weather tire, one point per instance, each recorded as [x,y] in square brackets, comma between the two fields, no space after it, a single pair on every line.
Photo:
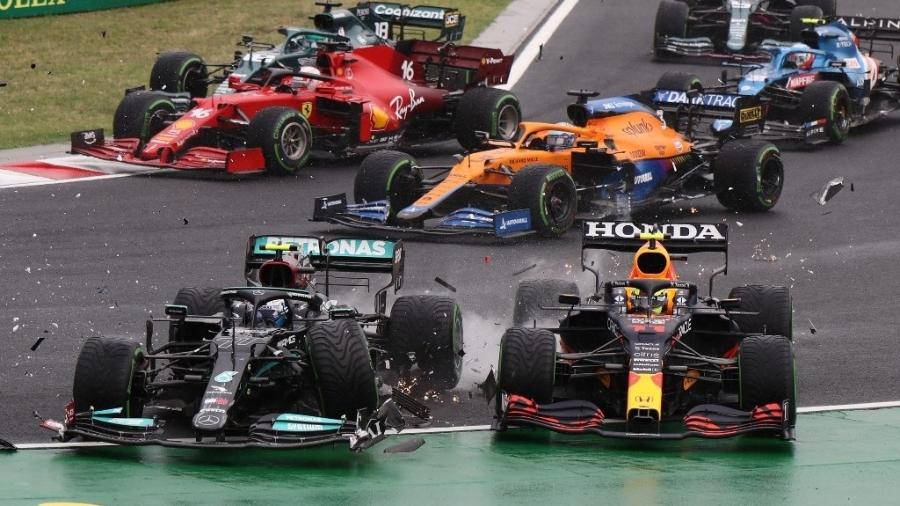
[528,363]
[828,100]
[549,193]
[105,376]
[430,328]
[141,115]
[204,301]
[749,175]
[671,21]
[766,367]
[534,293]
[490,110]
[179,72]
[797,23]
[774,305]
[388,175]
[345,379]
[285,137]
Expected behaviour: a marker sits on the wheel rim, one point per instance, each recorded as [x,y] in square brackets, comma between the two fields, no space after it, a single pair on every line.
[770,180]
[842,119]
[191,81]
[294,141]
[156,122]
[507,122]
[558,203]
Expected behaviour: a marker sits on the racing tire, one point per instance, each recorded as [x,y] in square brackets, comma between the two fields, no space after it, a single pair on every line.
[774,305]
[431,328]
[548,192]
[680,81]
[285,137]
[767,373]
[531,294]
[527,364]
[203,301]
[828,7]
[828,99]
[797,23]
[388,175]
[671,21]
[105,376]
[141,115]
[179,72]
[749,175]
[490,110]
[345,380]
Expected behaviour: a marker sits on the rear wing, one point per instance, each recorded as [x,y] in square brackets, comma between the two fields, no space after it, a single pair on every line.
[678,238]
[390,20]
[342,254]
[701,113]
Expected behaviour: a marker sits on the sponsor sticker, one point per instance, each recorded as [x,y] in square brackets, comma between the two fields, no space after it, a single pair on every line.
[751,114]
[801,81]
[306,108]
[225,376]
[511,222]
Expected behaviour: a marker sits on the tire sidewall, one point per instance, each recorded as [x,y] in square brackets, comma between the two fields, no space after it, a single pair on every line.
[551,180]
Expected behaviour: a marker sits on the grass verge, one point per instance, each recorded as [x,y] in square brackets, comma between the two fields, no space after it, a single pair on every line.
[68,72]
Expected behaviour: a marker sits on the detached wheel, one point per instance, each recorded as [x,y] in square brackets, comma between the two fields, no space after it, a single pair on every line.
[490,110]
[179,72]
[141,115]
[388,175]
[678,80]
[828,7]
[767,373]
[749,175]
[285,137]
[345,379]
[671,21]
[799,17]
[431,328]
[828,100]
[774,305]
[549,193]
[534,293]
[203,301]
[105,376]
[527,364]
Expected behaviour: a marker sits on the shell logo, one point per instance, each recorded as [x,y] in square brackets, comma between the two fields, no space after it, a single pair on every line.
[380,118]
[184,124]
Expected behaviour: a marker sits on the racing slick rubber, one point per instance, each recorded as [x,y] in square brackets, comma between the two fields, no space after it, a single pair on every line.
[828,99]
[388,175]
[766,368]
[681,81]
[749,175]
[339,355]
[531,294]
[179,72]
[203,301]
[829,7]
[549,193]
[527,364]
[141,115]
[671,21]
[490,110]
[773,305]
[798,23]
[285,137]
[430,328]
[104,376]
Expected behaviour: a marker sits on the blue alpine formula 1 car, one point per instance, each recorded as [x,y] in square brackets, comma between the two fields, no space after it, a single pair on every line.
[818,89]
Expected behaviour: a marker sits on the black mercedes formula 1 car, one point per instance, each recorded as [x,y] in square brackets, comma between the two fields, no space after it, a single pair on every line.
[271,366]
[648,357]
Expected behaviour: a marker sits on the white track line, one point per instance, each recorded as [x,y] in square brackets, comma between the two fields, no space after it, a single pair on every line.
[532,48]
[465,428]
[63,181]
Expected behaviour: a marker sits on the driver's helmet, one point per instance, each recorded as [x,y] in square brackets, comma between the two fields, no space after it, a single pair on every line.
[275,313]
[638,302]
[802,61]
[300,82]
[559,140]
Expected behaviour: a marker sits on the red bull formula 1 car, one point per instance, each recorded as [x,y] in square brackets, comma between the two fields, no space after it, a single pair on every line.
[353,100]
[647,357]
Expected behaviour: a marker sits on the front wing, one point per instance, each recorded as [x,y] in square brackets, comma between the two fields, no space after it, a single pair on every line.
[704,421]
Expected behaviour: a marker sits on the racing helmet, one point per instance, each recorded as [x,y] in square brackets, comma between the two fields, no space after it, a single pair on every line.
[651,261]
[275,313]
[307,83]
[559,140]
[638,302]
[802,61]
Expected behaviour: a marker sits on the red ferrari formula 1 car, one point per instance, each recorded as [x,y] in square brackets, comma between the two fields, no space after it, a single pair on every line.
[352,100]
[647,357]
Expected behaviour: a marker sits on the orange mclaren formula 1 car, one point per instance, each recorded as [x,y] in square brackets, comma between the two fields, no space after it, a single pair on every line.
[619,154]
[647,356]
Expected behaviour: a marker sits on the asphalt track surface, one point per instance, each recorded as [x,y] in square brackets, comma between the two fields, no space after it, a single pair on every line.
[98,257]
